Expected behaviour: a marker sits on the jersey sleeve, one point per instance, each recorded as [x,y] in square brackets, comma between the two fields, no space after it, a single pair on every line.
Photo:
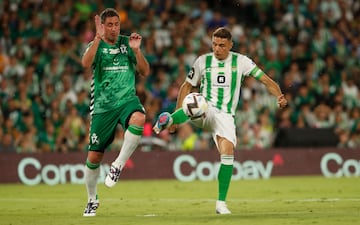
[193,76]
[251,69]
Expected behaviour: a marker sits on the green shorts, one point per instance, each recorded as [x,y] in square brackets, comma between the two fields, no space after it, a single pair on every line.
[103,125]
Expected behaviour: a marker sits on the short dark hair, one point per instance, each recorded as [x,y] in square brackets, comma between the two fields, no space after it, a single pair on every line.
[109,12]
[223,32]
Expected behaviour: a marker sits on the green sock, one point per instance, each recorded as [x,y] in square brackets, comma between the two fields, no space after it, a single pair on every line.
[179,116]
[224,178]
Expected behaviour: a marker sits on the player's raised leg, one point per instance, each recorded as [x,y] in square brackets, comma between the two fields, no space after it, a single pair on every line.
[165,120]
[132,139]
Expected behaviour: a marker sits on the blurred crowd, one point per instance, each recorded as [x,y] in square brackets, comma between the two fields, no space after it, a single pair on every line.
[310,47]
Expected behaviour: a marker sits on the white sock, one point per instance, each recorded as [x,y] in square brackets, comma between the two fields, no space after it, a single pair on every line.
[227,159]
[131,141]
[91,179]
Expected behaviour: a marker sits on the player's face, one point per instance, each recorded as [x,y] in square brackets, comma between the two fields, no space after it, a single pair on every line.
[221,47]
[111,28]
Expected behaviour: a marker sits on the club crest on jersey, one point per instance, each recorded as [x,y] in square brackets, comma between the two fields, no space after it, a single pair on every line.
[94,139]
[123,49]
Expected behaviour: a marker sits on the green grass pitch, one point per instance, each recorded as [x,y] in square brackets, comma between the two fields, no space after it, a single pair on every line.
[277,201]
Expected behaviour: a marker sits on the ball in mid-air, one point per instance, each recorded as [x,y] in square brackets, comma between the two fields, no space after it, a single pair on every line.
[195,105]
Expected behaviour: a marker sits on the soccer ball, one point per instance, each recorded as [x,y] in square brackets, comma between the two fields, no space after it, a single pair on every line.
[194,105]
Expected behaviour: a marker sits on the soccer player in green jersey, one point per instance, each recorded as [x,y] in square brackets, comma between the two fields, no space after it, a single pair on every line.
[115,59]
[219,75]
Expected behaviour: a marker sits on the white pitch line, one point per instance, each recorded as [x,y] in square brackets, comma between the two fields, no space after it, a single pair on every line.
[255,200]
[147,215]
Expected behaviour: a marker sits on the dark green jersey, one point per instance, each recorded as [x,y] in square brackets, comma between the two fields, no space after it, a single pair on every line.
[113,81]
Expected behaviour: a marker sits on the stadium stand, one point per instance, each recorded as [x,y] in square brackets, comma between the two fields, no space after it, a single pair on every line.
[311,48]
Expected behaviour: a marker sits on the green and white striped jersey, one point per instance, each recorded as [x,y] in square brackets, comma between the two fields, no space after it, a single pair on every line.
[220,80]
[113,81]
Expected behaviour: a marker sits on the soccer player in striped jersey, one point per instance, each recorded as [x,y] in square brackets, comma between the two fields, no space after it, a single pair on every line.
[219,74]
[114,59]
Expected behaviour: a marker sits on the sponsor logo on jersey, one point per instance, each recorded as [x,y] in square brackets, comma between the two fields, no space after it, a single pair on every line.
[191,73]
[119,68]
[114,51]
[116,61]
[105,50]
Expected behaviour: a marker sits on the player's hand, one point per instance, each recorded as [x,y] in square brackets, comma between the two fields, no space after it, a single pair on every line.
[135,41]
[173,128]
[281,101]
[99,27]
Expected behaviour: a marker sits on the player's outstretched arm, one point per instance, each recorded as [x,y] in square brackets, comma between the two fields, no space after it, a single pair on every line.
[274,89]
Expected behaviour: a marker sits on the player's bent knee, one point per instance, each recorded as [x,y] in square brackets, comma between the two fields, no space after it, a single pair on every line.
[137,118]
[95,157]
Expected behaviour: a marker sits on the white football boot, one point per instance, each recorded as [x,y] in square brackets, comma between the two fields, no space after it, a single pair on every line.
[221,208]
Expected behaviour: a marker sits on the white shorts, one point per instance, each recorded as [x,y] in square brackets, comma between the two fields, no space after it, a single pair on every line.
[218,123]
